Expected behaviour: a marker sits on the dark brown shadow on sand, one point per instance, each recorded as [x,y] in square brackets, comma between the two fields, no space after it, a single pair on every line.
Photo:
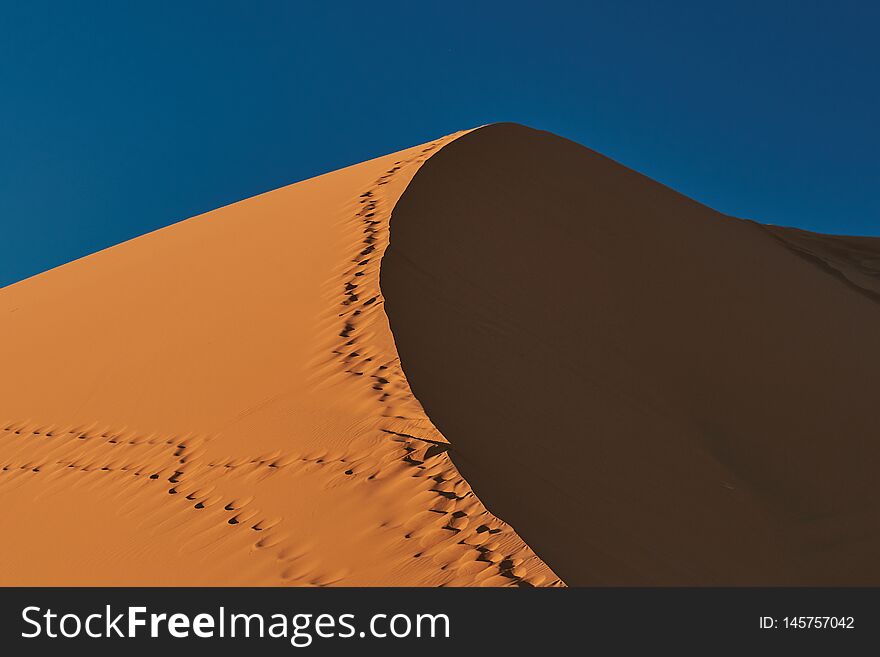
[649,392]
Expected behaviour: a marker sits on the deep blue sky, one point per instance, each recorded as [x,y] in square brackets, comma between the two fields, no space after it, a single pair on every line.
[117,118]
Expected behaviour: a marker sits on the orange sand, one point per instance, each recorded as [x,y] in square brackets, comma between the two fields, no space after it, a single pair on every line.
[233,368]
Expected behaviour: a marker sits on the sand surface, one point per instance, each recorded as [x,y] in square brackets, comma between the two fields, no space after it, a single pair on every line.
[569,374]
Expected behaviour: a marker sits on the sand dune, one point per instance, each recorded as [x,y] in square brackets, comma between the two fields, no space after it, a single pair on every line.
[569,374]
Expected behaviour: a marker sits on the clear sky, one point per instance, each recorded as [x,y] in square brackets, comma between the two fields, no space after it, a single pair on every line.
[117,118]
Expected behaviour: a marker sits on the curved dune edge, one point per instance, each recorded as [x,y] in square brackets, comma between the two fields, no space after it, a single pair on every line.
[221,403]
[652,393]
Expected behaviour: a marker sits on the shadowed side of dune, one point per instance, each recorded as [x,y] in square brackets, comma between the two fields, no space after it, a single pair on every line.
[648,391]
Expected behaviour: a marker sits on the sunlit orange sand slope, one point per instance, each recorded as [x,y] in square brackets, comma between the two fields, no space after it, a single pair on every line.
[221,402]
[647,391]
